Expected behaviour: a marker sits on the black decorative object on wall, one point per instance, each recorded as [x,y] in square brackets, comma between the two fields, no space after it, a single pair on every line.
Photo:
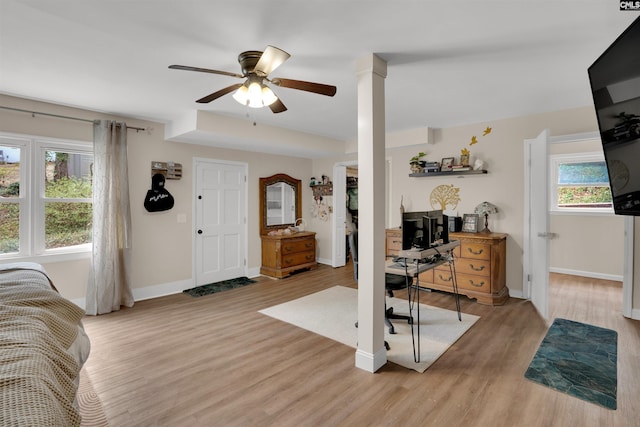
[158,198]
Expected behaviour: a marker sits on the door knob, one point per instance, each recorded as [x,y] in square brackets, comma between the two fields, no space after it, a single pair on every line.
[199,231]
[548,235]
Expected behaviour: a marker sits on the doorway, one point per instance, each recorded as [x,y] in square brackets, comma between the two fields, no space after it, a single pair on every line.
[219,219]
[536,231]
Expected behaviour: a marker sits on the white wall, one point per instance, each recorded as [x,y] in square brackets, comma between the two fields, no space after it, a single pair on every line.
[587,245]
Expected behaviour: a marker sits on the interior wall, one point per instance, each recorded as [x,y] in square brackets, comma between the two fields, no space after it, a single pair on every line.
[502,152]
[590,245]
[587,245]
[162,247]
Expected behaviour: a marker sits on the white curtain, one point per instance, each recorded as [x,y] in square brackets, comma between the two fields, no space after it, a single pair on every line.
[109,285]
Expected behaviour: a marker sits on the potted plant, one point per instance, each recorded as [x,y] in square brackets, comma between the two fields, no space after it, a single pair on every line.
[417,165]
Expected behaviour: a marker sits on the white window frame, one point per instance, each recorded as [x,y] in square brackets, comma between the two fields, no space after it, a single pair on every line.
[554,161]
[32,198]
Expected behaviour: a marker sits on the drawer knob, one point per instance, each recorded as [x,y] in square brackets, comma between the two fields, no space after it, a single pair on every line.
[308,244]
[474,268]
[309,257]
[288,248]
[445,279]
[474,252]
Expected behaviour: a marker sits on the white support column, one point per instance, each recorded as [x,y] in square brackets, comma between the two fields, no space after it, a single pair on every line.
[371,72]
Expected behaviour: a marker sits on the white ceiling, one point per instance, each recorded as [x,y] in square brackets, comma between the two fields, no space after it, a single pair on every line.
[449,62]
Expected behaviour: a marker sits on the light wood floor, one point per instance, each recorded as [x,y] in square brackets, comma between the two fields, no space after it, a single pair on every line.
[215,361]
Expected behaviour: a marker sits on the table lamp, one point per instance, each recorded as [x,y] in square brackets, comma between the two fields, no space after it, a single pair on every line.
[486,208]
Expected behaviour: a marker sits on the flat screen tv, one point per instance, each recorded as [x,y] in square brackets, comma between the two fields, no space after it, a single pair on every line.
[424,230]
[615,85]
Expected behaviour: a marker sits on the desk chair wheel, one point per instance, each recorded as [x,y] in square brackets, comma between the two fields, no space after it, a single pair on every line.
[386,344]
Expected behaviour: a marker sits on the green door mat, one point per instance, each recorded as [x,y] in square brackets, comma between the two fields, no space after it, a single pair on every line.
[580,360]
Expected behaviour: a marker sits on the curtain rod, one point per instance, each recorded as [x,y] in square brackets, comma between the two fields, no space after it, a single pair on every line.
[33,113]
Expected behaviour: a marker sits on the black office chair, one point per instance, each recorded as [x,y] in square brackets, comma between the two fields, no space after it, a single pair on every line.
[392,282]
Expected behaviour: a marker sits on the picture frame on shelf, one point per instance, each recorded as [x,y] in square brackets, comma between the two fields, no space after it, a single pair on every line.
[470,223]
[446,164]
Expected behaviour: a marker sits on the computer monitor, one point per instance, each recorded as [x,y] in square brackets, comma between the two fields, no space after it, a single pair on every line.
[424,229]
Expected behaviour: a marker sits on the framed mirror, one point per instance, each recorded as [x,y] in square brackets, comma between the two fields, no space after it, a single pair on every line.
[280,202]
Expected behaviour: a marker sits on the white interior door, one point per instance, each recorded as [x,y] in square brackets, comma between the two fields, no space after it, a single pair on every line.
[220,221]
[536,256]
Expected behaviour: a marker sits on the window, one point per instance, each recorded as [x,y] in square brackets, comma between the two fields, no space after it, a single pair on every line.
[580,183]
[45,196]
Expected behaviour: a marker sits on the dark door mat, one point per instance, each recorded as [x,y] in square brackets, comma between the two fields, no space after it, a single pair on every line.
[224,285]
[580,360]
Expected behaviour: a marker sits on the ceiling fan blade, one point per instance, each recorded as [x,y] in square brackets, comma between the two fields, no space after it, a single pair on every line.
[319,88]
[271,58]
[278,106]
[205,70]
[218,94]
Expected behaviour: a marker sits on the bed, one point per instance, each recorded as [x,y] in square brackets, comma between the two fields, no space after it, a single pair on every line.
[42,349]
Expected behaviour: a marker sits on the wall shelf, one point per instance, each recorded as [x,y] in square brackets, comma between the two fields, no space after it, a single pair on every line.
[322,190]
[425,174]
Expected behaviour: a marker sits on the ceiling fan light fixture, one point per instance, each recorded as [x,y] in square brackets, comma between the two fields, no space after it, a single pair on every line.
[268,97]
[255,95]
[241,95]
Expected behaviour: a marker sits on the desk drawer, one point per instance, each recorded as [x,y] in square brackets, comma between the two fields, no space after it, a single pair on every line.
[478,267]
[298,245]
[475,250]
[297,259]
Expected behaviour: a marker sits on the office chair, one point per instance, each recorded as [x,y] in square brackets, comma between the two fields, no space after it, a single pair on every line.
[392,282]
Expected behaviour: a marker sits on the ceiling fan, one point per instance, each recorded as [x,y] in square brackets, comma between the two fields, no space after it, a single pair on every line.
[254,92]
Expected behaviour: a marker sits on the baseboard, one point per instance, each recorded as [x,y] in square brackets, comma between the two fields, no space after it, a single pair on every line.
[593,275]
[324,261]
[148,292]
[371,362]
[516,294]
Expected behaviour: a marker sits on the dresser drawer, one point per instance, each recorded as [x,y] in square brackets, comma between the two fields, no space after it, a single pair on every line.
[475,250]
[442,277]
[298,245]
[393,242]
[465,281]
[426,277]
[474,283]
[478,267]
[298,259]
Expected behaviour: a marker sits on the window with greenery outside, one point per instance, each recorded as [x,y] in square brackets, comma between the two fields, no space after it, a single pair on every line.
[68,193]
[583,185]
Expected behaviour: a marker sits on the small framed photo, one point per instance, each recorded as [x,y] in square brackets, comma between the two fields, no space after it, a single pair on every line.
[470,223]
[446,164]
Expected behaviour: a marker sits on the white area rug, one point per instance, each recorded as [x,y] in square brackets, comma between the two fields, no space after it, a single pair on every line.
[333,312]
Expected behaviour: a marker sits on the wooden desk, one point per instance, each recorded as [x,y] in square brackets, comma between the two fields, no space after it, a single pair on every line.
[415,266]
[481,263]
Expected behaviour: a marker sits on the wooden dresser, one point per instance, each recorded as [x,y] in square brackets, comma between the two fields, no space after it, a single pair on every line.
[480,266]
[284,254]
